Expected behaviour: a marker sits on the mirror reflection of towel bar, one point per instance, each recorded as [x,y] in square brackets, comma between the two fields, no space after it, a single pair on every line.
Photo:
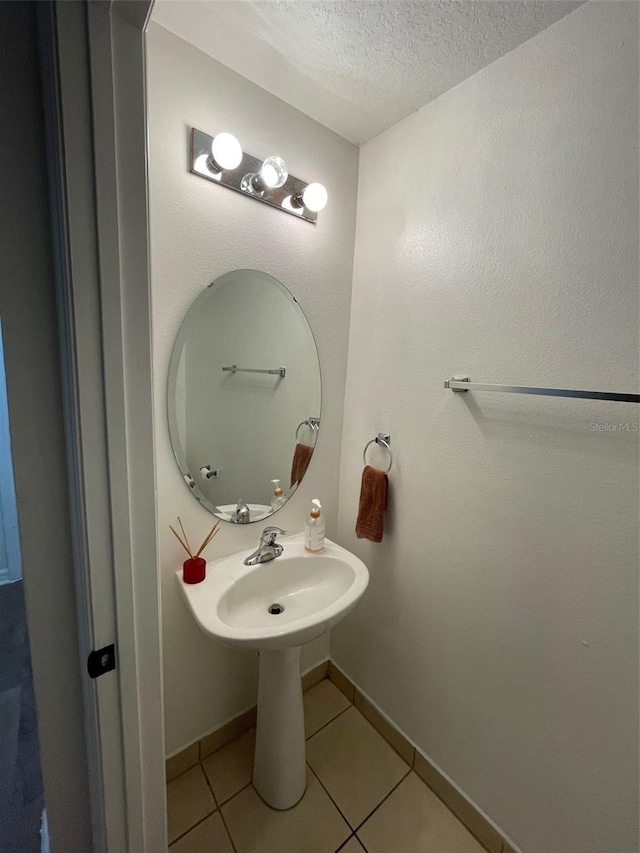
[278,371]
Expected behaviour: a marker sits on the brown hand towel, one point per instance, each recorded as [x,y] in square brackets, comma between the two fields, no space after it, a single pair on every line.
[373,503]
[301,458]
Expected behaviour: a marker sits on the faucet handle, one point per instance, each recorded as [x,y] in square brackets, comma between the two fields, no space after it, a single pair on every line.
[269,534]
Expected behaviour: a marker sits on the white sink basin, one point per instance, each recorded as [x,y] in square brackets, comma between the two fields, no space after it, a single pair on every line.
[314,590]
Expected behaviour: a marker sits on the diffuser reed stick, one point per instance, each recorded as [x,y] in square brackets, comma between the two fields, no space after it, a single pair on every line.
[208,538]
[185,542]
[185,536]
[180,541]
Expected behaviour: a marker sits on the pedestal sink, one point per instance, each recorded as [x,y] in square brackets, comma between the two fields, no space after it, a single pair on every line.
[276,607]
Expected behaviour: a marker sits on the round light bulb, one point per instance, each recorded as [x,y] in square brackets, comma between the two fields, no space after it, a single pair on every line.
[274,172]
[226,151]
[315,197]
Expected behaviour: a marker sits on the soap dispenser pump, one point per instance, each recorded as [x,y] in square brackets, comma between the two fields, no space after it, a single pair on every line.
[314,529]
[278,496]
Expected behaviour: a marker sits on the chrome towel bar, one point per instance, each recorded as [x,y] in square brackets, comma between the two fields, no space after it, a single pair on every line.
[463,383]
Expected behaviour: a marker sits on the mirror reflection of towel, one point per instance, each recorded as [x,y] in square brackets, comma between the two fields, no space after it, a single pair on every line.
[301,458]
[373,503]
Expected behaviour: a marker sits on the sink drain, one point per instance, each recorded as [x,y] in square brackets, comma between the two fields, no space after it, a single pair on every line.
[275,609]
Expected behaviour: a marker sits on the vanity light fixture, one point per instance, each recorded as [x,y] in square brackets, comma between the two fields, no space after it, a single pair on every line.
[221,159]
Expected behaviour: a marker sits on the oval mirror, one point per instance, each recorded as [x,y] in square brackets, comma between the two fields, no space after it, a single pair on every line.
[244,396]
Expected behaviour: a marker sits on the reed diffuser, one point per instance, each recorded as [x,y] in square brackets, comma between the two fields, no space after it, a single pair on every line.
[194,569]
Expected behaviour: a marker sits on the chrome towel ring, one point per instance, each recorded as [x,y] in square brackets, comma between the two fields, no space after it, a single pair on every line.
[384,440]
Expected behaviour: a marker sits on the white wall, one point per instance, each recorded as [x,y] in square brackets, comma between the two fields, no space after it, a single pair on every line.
[497,236]
[198,232]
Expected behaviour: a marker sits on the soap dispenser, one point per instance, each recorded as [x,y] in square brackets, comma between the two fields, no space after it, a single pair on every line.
[314,529]
[278,496]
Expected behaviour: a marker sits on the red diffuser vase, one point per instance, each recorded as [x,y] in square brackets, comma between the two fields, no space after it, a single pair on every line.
[194,570]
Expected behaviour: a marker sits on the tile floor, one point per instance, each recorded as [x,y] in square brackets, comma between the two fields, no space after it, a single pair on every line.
[361,796]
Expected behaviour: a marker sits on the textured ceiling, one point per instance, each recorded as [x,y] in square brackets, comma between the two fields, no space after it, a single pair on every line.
[358,66]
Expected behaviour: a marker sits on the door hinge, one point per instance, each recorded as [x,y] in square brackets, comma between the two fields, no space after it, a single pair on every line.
[101,661]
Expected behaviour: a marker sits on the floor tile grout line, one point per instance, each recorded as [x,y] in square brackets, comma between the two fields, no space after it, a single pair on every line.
[228,831]
[361,843]
[386,797]
[352,705]
[409,770]
[342,815]
[168,782]
[210,786]
[237,793]
[197,823]
[344,843]
[219,801]
[180,775]
[218,749]
[451,812]
[219,809]
[213,796]
[386,740]
[328,723]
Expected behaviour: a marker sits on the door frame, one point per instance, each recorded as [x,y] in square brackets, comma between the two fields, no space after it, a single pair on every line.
[96,128]
[118,91]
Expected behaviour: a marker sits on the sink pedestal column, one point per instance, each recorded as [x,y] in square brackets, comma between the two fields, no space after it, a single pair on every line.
[280,773]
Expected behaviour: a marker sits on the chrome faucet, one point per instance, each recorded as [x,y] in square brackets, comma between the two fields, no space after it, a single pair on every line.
[268,549]
[241,514]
